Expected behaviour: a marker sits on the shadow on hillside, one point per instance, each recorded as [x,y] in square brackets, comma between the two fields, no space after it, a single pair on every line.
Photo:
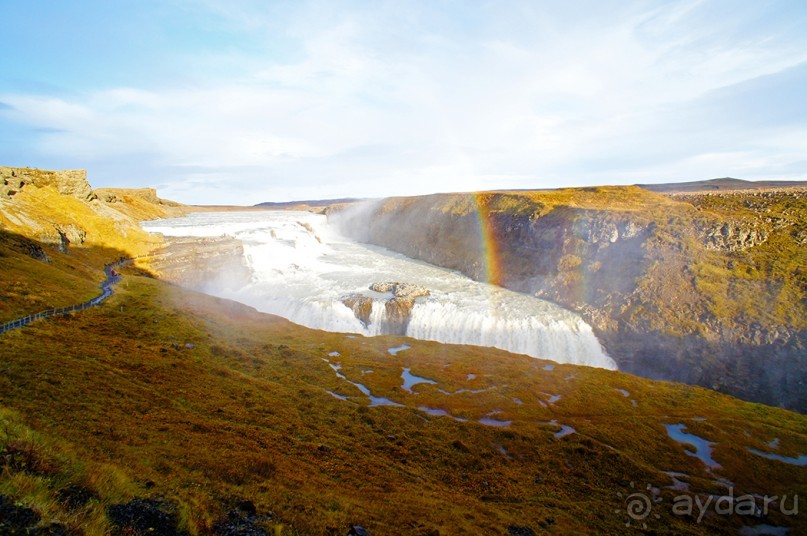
[41,277]
[773,374]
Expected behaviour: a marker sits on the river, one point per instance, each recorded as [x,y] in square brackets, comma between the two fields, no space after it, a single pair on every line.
[302,267]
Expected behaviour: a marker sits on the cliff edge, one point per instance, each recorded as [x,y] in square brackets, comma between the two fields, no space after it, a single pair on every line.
[72,182]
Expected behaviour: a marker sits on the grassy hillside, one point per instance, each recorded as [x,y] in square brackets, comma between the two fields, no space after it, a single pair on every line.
[166,393]
[203,416]
[42,229]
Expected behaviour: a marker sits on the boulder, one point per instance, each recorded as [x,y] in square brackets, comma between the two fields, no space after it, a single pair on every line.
[144,516]
[69,235]
[16,519]
[243,520]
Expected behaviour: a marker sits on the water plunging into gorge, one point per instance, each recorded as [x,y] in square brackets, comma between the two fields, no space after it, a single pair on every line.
[304,270]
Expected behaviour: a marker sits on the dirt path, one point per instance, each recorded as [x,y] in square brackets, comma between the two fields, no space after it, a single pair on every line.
[112,278]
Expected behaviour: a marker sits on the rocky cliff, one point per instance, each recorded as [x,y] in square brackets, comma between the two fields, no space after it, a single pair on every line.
[201,263]
[703,290]
[149,195]
[56,234]
[69,182]
[61,210]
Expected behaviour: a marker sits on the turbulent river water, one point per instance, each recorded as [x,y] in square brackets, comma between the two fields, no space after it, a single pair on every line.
[302,267]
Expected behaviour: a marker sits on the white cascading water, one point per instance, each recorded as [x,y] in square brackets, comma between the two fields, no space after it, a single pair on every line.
[302,268]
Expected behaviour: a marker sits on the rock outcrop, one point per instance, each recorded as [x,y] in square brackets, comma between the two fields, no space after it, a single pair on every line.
[116,195]
[68,182]
[401,290]
[69,234]
[732,236]
[202,263]
[398,308]
[361,305]
[24,245]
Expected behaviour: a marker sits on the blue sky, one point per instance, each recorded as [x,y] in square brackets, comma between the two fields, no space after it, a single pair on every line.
[215,101]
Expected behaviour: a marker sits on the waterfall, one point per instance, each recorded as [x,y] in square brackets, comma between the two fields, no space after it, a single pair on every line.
[302,269]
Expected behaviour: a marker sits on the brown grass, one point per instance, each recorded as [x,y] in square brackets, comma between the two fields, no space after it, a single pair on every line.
[244,413]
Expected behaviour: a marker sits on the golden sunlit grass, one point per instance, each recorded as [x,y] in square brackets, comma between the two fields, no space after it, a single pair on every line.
[540,202]
[112,231]
[36,211]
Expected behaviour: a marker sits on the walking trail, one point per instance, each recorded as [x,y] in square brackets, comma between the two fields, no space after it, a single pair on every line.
[112,278]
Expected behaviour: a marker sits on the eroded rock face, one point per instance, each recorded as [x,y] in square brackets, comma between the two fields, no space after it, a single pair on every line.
[732,236]
[398,314]
[72,182]
[398,308]
[25,246]
[70,234]
[202,263]
[62,236]
[362,306]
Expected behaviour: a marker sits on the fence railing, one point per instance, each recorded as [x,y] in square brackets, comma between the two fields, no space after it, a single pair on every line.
[106,292]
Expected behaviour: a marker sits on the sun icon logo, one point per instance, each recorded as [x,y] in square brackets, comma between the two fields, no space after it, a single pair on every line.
[639,505]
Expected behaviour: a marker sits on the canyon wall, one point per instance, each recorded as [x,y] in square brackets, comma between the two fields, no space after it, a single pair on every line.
[201,263]
[707,291]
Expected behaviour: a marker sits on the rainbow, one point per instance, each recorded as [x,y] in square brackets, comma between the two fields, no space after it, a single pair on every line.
[490,243]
